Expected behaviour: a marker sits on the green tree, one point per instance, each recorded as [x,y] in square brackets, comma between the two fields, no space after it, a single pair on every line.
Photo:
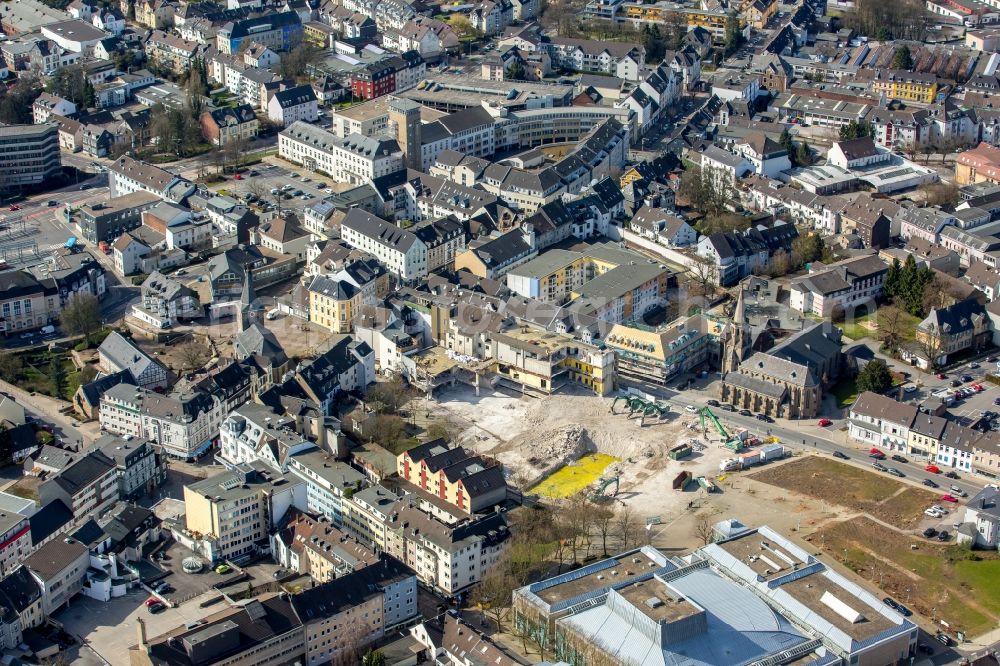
[803,155]
[57,376]
[734,33]
[653,42]
[786,142]
[902,59]
[89,100]
[855,130]
[892,277]
[807,248]
[874,377]
[81,316]
[373,658]
[10,366]
[516,71]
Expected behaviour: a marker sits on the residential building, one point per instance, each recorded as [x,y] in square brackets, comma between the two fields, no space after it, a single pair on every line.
[905,86]
[105,221]
[59,568]
[171,52]
[293,105]
[118,353]
[229,123]
[168,301]
[25,302]
[328,482]
[626,61]
[343,616]
[498,256]
[949,330]
[331,554]
[48,104]
[981,523]
[15,543]
[264,631]
[400,250]
[21,601]
[128,175]
[766,157]
[277,31]
[88,485]
[455,476]
[139,468]
[229,515]
[842,287]
[254,433]
[881,421]
[978,165]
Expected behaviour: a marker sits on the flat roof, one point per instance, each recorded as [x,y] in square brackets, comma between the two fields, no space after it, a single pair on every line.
[658,602]
[810,591]
[763,555]
[621,569]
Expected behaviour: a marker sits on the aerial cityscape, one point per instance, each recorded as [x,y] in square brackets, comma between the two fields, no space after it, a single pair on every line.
[500,332]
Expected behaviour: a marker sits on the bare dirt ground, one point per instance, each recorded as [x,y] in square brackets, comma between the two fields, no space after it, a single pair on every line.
[532,436]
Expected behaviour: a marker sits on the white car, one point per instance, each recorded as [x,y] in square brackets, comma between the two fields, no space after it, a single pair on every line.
[932,513]
[691,408]
[910,389]
[940,509]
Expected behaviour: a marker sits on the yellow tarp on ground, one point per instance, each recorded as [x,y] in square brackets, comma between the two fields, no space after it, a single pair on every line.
[574,477]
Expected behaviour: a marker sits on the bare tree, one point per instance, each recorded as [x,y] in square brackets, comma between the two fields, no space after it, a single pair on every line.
[192,355]
[929,344]
[703,529]
[627,526]
[702,276]
[890,325]
[604,521]
[494,593]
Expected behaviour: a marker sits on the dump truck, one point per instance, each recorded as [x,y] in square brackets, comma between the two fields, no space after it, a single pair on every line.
[681,480]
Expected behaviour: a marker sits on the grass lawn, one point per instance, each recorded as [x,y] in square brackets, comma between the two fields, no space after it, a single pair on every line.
[846,392]
[834,482]
[857,329]
[36,374]
[940,581]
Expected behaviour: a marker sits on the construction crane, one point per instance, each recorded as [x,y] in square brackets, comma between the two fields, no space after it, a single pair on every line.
[731,442]
[604,483]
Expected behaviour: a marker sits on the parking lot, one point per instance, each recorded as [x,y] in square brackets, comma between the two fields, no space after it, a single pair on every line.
[272,176]
[110,627]
[187,586]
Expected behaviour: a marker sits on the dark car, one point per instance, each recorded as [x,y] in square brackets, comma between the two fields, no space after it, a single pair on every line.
[925,648]
[745,412]
[930,483]
[727,408]
[879,466]
[157,607]
[895,472]
[955,383]
[952,475]
[903,610]
[712,403]
[930,533]
[943,535]
[765,418]
[891,603]
[966,378]
[943,639]
[899,458]
[166,589]
[841,455]
[52,203]
[974,366]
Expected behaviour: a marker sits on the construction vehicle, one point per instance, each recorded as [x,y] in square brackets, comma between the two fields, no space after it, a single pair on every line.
[603,484]
[643,407]
[733,443]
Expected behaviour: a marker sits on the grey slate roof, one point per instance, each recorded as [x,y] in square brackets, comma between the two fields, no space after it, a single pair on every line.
[122,354]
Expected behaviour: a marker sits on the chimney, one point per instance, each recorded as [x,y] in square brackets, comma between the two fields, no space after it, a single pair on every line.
[143,643]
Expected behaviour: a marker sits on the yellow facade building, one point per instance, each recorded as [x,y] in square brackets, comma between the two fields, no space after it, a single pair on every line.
[906,86]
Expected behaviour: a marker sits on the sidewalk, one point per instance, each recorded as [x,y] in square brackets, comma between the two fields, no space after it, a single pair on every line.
[47,410]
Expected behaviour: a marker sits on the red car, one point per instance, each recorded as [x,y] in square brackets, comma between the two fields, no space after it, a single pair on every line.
[977,387]
[237,177]
[933,469]
[824,422]
[14,207]
[151,601]
[877,454]
[948,498]
[941,375]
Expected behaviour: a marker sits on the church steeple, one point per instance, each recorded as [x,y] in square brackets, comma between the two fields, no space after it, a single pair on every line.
[736,340]
[249,312]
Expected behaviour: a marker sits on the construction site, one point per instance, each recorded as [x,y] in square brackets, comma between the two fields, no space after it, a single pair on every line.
[627,449]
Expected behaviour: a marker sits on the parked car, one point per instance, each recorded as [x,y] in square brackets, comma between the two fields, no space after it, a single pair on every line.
[930,483]
[151,601]
[765,418]
[158,607]
[746,412]
[910,389]
[974,366]
[966,378]
[932,513]
[891,603]
[223,569]
[955,383]
[52,203]
[941,375]
[841,455]
[895,472]
[949,498]
[879,466]
[943,639]
[925,648]
[727,408]
[899,458]
[690,408]
[940,509]
[712,403]
[952,475]
[824,423]
[943,535]
[876,453]
[955,490]
[930,533]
